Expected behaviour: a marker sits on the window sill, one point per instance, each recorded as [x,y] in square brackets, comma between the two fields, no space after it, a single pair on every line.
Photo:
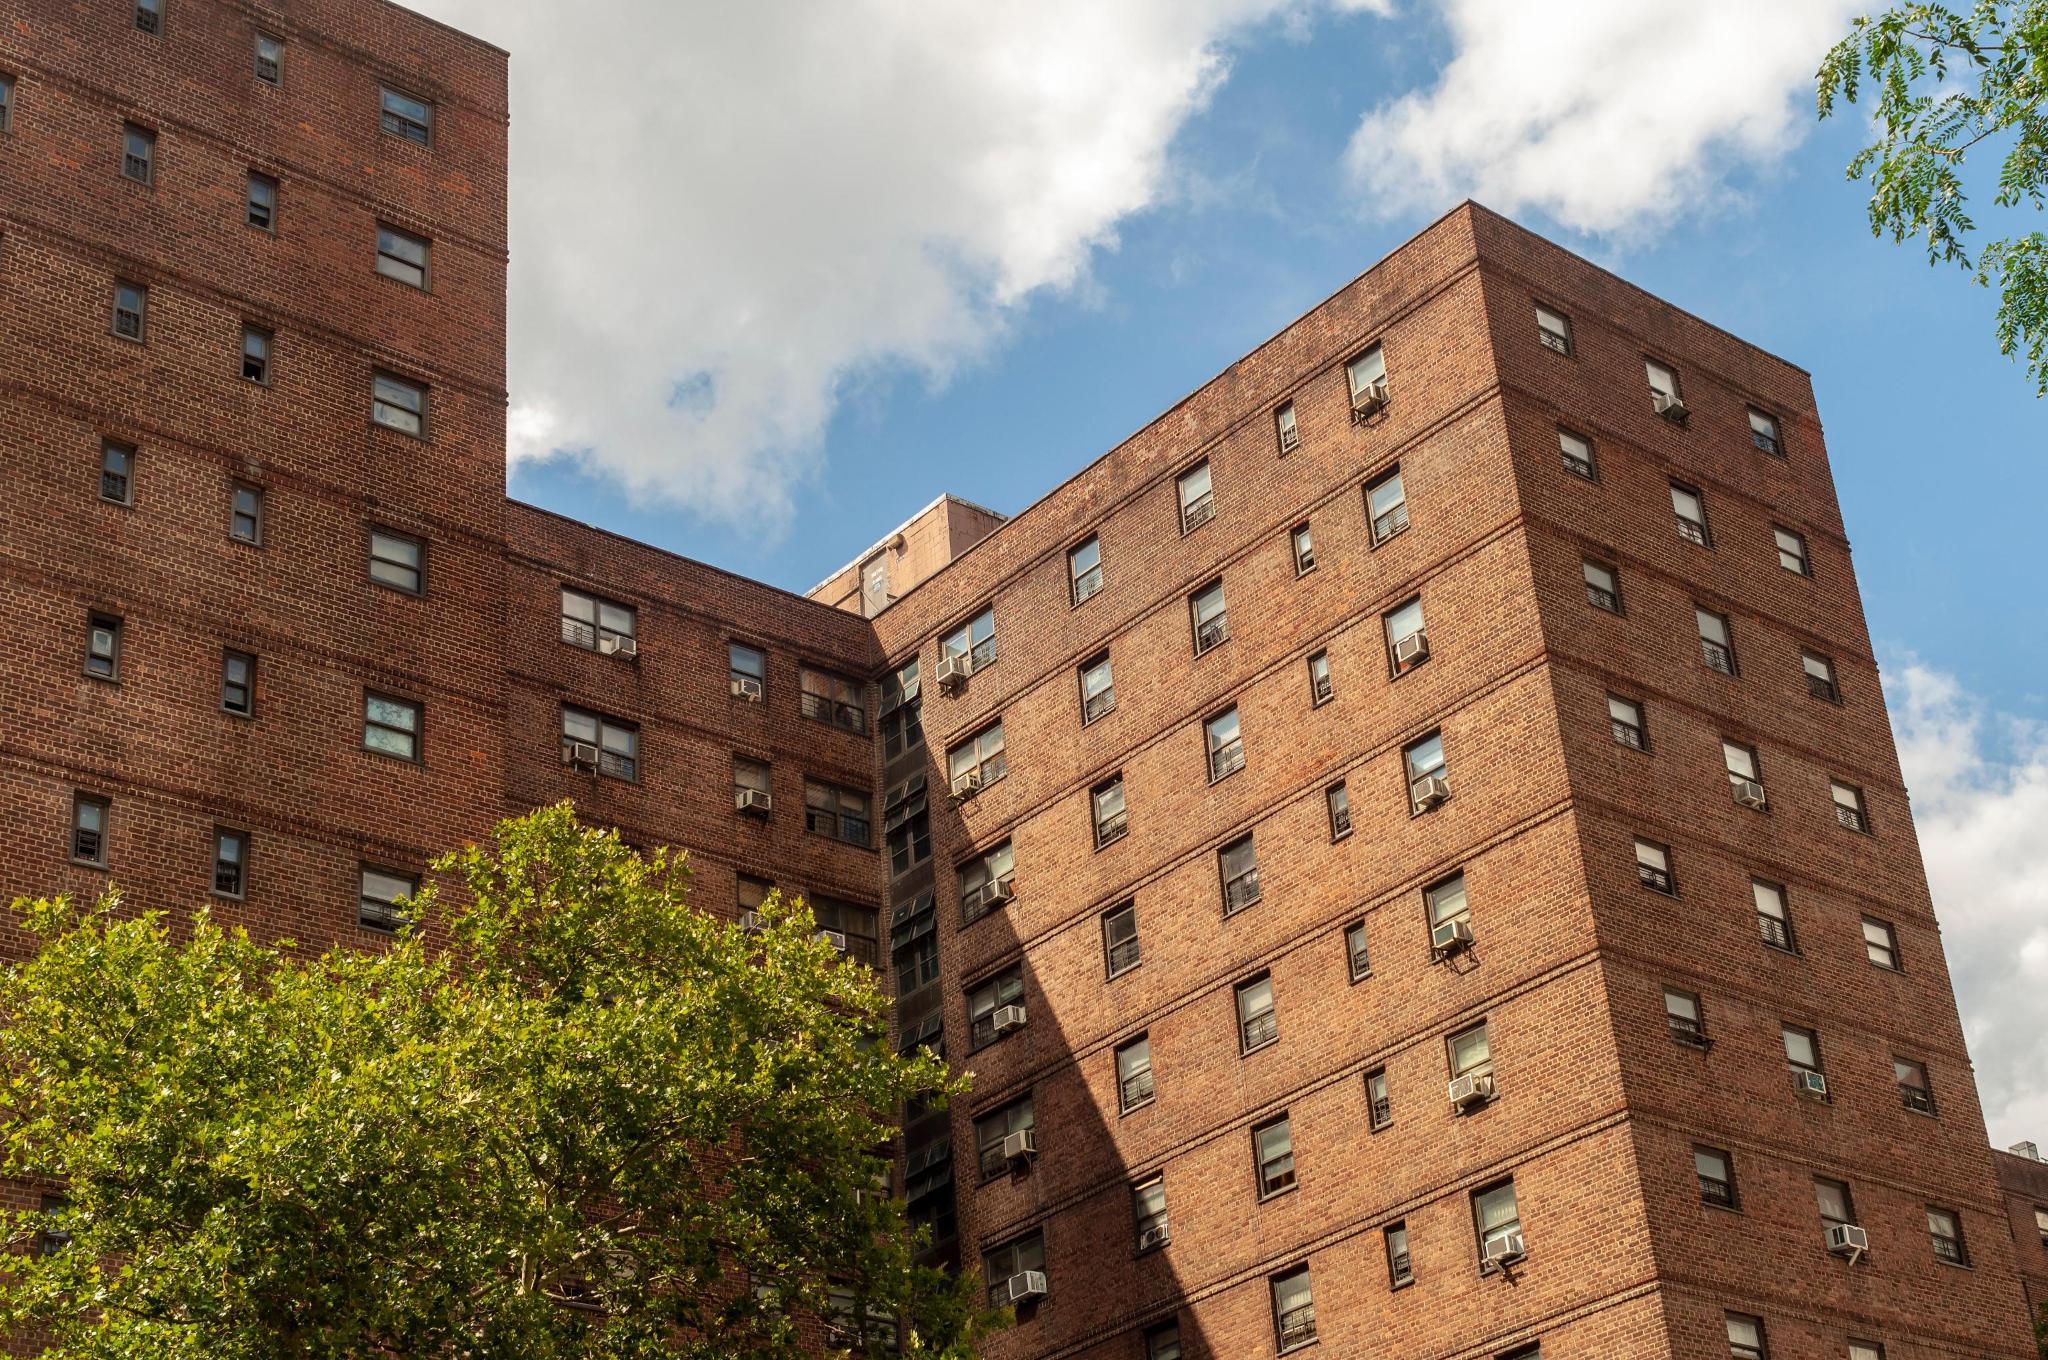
[1142,1252]
[1282,1193]
[94,864]
[1145,1104]
[1124,972]
[1357,978]
[1259,1047]
[1299,1346]
[1722,1208]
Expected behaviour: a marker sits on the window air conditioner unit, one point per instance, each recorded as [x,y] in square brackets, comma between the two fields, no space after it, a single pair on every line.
[837,939]
[1846,1239]
[1749,793]
[1020,1146]
[1429,791]
[967,783]
[753,800]
[953,673]
[1007,1018]
[1812,1085]
[1670,407]
[999,892]
[616,645]
[746,687]
[1450,937]
[1024,1287]
[1506,1249]
[1470,1092]
[1154,1236]
[752,922]
[1411,649]
[582,755]
[1369,400]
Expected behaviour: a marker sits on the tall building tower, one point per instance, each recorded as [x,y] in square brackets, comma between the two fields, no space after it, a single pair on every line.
[1409,843]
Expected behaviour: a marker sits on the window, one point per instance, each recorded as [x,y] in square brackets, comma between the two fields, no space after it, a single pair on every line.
[1865,1350]
[1553,330]
[1914,1092]
[1258,1024]
[1320,687]
[138,154]
[1211,620]
[1027,1253]
[89,816]
[1469,1053]
[1792,551]
[1285,429]
[833,699]
[1148,1213]
[1773,915]
[1339,802]
[245,513]
[595,624]
[1401,624]
[52,1237]
[1197,498]
[1446,901]
[748,668]
[398,561]
[117,473]
[979,761]
[1496,1217]
[6,103]
[750,893]
[1400,1265]
[1663,381]
[1084,569]
[1820,677]
[269,59]
[1120,939]
[902,712]
[1653,866]
[1367,378]
[1134,1074]
[1682,1016]
[149,16]
[991,1129]
[403,116]
[1849,806]
[131,308]
[391,727]
[1763,432]
[1240,866]
[1098,688]
[1273,1152]
[1625,720]
[380,897]
[1881,943]
[1304,550]
[230,862]
[1802,1050]
[1743,776]
[1836,1205]
[1691,513]
[1163,1342]
[1746,1337]
[401,256]
[261,208]
[751,776]
[1716,1177]
[986,881]
[839,813]
[604,745]
[238,683]
[399,405]
[1428,776]
[850,926]
[1603,587]
[1357,957]
[255,355]
[1945,1231]
[103,646]
[1107,802]
[1577,452]
[1379,1101]
[1226,742]
[974,639]
[1003,992]
[1387,504]
[1717,649]
[2041,1225]
[917,965]
[1294,1309]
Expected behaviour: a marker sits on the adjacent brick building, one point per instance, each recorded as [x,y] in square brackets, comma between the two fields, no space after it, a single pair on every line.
[1409,843]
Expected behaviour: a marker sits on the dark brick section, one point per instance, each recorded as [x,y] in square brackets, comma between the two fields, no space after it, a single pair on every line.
[1593,1109]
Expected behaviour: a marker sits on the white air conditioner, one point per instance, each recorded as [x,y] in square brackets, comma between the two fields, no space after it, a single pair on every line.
[1670,407]
[999,892]
[753,800]
[967,783]
[1023,1287]
[1411,649]
[954,670]
[1154,1236]
[1007,1018]
[1451,937]
[582,755]
[1470,1092]
[1429,791]
[1749,793]
[1020,1146]
[1506,1249]
[1812,1085]
[618,646]
[1369,400]
[1846,1239]
[835,938]
[752,922]
[746,687]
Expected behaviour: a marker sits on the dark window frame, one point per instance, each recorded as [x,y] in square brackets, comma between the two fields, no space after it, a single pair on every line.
[138,332]
[143,160]
[258,345]
[259,210]
[229,685]
[257,58]
[401,124]
[236,864]
[77,851]
[418,568]
[395,265]
[401,385]
[115,627]
[381,913]
[417,732]
[253,514]
[109,448]
[1721,1192]
[1120,954]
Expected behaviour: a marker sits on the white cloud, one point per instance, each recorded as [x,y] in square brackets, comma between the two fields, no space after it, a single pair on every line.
[1609,116]
[725,216]
[1980,800]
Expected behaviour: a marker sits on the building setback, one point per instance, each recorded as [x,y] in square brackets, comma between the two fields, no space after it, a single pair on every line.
[1412,835]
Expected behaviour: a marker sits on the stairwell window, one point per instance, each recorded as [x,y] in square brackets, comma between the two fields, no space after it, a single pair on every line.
[1366,376]
[839,814]
[1881,943]
[256,355]
[398,561]
[1625,720]
[402,256]
[1496,1217]
[1716,1175]
[1400,1264]
[269,59]
[237,683]
[1239,865]
[1820,677]
[1226,744]
[138,154]
[1691,513]
[1273,1155]
[1577,452]
[1285,429]
[1210,618]
[598,625]
[1148,1218]
[1134,1086]
[1773,915]
[1763,432]
[1717,645]
[601,745]
[1304,550]
[1258,1023]
[1197,498]
[89,817]
[1653,867]
[1914,1092]
[986,882]
[399,405]
[979,761]
[1428,776]
[1338,799]
[1120,949]
[902,711]
[131,310]
[1084,569]
[1098,688]
[1746,1337]
[401,115]
[260,211]
[1386,503]
[1294,1309]
[230,862]
[117,473]
[1553,330]
[907,825]
[103,646]
[1002,993]
[1791,550]
[381,895]
[1849,806]
[1945,1231]
[1112,820]
[1401,624]
[1603,587]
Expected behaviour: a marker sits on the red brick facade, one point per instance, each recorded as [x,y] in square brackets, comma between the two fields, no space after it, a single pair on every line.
[1596,1110]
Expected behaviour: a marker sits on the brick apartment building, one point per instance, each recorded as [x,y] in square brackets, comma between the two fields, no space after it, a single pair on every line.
[1409,842]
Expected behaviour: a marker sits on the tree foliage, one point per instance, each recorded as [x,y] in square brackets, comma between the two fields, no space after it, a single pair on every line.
[589,1123]
[1943,81]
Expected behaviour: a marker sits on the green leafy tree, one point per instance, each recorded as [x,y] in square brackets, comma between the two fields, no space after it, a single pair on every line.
[562,1117]
[1946,80]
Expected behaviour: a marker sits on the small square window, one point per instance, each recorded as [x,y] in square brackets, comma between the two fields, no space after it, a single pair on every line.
[1225,741]
[1716,1175]
[1820,677]
[1098,688]
[1021,1256]
[1387,503]
[117,473]
[261,208]
[238,683]
[838,813]
[1849,806]
[1881,943]
[1763,432]
[1120,939]
[1792,550]
[398,405]
[89,818]
[149,16]
[1112,820]
[255,355]
[974,640]
[1603,587]
[138,154]
[1321,689]
[1379,1101]
[1553,330]
[1197,498]
[382,897]
[1691,513]
[131,310]
[402,256]
[1134,1086]
[230,862]
[1285,429]
[103,646]
[1258,1023]
[1338,800]
[1653,867]
[269,59]
[1084,569]
[1304,550]
[827,697]
[1273,1154]
[599,625]
[1625,720]
[978,762]
[1357,956]
[398,561]
[403,116]
[391,727]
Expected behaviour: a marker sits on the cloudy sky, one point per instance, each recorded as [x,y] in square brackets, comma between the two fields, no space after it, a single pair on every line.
[815,261]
